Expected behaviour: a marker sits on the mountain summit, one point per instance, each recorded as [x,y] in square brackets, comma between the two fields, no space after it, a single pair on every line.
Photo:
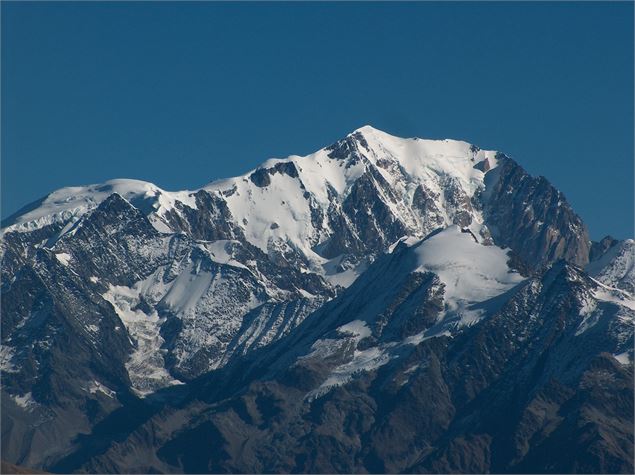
[374,306]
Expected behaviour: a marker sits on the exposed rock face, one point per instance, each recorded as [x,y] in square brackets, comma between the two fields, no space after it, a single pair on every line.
[598,249]
[532,217]
[430,405]
[210,221]
[352,310]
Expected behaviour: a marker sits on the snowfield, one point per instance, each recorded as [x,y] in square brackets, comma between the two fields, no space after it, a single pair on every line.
[472,273]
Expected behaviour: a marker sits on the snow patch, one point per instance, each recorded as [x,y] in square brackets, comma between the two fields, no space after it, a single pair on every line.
[96,386]
[63,257]
[589,320]
[624,358]
[221,252]
[588,307]
[363,361]
[188,288]
[615,296]
[356,328]
[423,336]
[7,353]
[25,401]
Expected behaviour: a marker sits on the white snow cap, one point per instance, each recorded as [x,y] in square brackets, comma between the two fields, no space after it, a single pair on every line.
[72,202]
[281,210]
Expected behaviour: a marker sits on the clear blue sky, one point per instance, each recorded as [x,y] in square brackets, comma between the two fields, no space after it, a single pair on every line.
[181,94]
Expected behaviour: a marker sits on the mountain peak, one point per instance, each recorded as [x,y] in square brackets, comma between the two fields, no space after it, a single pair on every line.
[366,129]
[408,259]
[418,185]
[370,131]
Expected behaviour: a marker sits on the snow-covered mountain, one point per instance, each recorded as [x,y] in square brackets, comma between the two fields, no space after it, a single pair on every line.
[326,216]
[301,205]
[341,263]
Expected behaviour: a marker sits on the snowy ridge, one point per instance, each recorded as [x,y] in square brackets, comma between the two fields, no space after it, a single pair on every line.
[70,203]
[469,274]
[283,209]
[470,277]
[616,268]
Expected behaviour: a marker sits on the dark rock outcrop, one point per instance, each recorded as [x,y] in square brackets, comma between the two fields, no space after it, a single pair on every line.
[531,217]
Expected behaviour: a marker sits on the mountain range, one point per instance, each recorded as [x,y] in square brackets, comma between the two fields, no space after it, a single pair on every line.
[382,305]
